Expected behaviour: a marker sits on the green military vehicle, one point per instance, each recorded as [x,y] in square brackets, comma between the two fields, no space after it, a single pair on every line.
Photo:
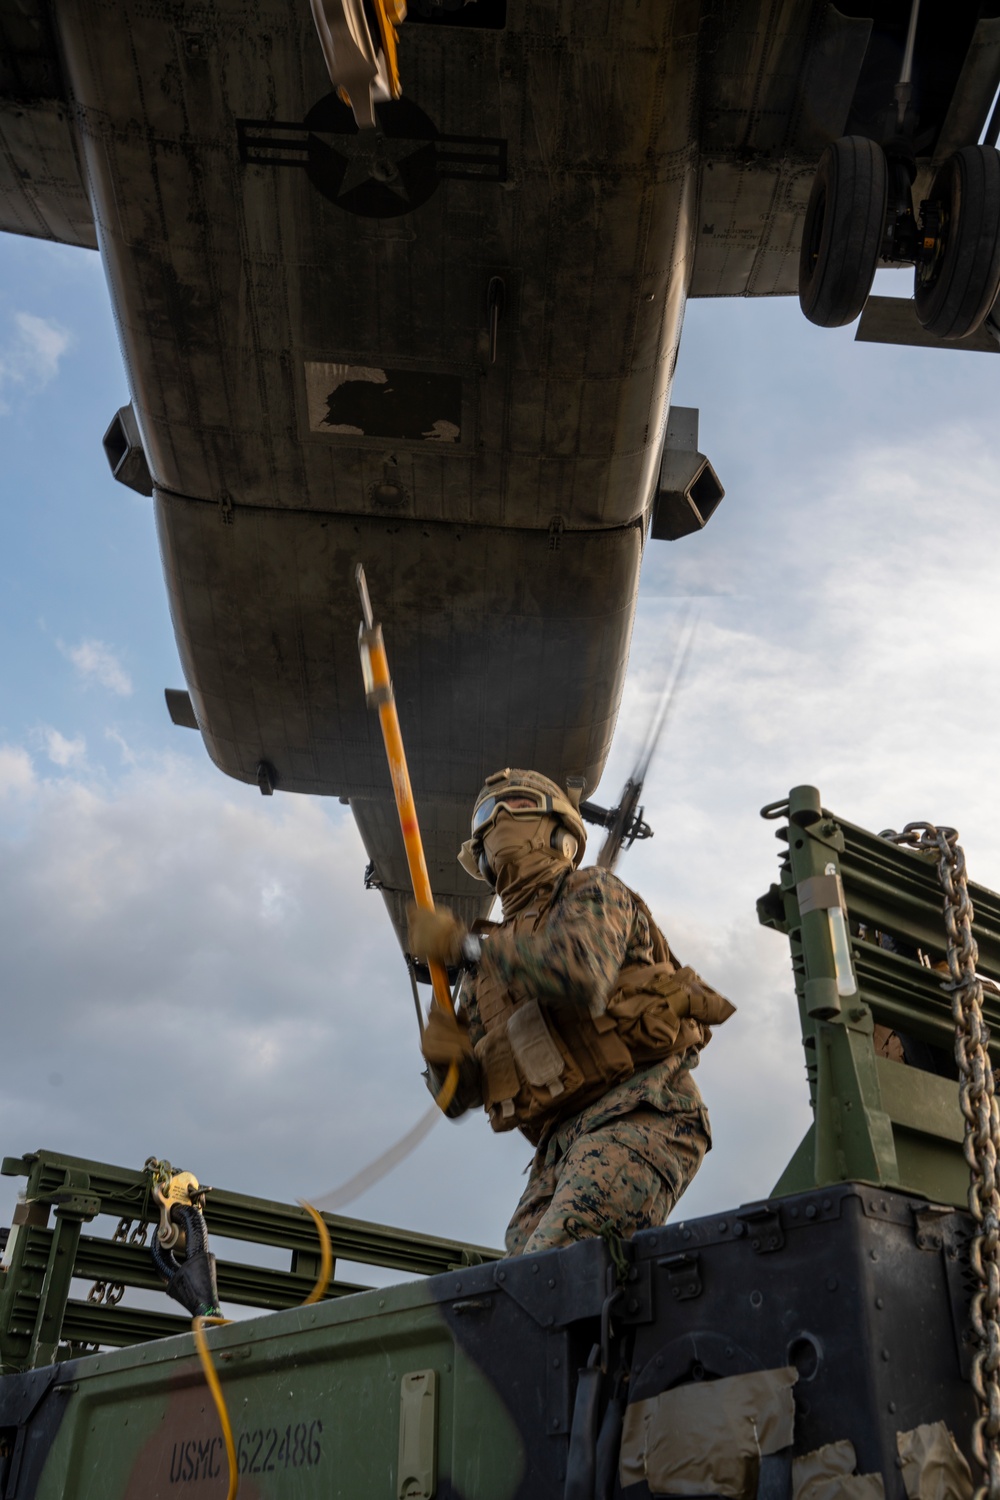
[822,1342]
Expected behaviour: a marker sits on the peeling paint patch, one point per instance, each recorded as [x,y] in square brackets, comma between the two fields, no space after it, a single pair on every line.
[364,401]
[442,432]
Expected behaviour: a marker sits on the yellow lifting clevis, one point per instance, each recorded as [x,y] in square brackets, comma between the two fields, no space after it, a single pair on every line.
[362,69]
[379,694]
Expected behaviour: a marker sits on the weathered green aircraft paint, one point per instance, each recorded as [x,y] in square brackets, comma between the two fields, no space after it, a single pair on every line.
[604,1371]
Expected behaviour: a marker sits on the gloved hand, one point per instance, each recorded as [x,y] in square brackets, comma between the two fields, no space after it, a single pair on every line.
[435,935]
[445,1039]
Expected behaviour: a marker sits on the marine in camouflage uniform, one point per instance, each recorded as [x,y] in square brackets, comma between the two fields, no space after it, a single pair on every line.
[575,1025]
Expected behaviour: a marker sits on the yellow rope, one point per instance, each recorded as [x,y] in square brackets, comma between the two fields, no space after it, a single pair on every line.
[339,1197]
[326,1251]
[201,1345]
[447,1091]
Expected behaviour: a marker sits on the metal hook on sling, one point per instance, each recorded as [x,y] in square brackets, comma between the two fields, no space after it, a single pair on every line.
[191,1281]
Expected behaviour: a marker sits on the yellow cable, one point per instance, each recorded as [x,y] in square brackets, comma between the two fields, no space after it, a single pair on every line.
[326,1251]
[447,1091]
[201,1344]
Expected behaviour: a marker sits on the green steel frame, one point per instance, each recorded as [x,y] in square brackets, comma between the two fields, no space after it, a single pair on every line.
[875,1120]
[41,1321]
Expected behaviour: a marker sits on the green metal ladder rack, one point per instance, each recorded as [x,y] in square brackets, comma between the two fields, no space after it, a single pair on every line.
[875,1120]
[40,1319]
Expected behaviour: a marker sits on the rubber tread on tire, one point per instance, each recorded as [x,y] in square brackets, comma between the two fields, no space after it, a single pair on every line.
[953,302]
[842,235]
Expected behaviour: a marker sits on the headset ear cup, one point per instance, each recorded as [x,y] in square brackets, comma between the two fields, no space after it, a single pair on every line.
[486,870]
[564,843]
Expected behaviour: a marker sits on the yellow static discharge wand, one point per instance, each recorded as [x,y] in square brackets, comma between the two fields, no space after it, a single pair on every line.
[379,694]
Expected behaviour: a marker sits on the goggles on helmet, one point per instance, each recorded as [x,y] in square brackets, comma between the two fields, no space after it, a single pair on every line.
[486,811]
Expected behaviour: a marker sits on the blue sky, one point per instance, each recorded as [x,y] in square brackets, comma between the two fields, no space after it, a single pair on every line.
[79,562]
[848,637]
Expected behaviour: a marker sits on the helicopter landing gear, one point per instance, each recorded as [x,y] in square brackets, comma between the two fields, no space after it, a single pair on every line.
[860,212]
[957,274]
[843,232]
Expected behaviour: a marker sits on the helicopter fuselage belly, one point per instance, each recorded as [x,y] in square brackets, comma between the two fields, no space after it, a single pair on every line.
[443,349]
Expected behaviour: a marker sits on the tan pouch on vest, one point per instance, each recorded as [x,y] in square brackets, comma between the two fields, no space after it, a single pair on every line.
[651,1004]
[704,1003]
[529,1072]
[500,1081]
[538,1059]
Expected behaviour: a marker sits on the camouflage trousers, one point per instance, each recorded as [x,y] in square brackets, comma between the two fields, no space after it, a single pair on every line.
[606,1176]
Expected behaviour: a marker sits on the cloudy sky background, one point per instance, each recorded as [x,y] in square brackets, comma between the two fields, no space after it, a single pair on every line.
[193,971]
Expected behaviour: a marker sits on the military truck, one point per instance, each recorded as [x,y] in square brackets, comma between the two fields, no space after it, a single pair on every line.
[821,1342]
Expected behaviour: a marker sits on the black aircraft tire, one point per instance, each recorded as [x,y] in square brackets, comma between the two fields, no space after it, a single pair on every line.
[955,293]
[845,222]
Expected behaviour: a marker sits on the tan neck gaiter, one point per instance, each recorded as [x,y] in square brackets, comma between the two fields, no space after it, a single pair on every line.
[525,864]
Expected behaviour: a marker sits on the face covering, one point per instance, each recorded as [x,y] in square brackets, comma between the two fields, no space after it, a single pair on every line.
[521,855]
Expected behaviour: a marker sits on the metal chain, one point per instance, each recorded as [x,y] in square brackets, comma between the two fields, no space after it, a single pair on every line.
[112,1292]
[982,1136]
[138,1236]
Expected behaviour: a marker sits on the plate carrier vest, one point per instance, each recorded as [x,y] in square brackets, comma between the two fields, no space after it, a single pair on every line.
[540,1065]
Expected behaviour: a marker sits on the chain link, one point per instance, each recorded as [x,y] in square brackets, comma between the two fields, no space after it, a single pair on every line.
[112,1292]
[130,1233]
[982,1135]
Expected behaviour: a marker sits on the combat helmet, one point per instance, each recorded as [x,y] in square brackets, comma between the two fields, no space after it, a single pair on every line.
[569,836]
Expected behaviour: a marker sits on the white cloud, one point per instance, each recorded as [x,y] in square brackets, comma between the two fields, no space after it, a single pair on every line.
[64,752]
[17,773]
[274,901]
[30,358]
[179,905]
[117,738]
[96,662]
